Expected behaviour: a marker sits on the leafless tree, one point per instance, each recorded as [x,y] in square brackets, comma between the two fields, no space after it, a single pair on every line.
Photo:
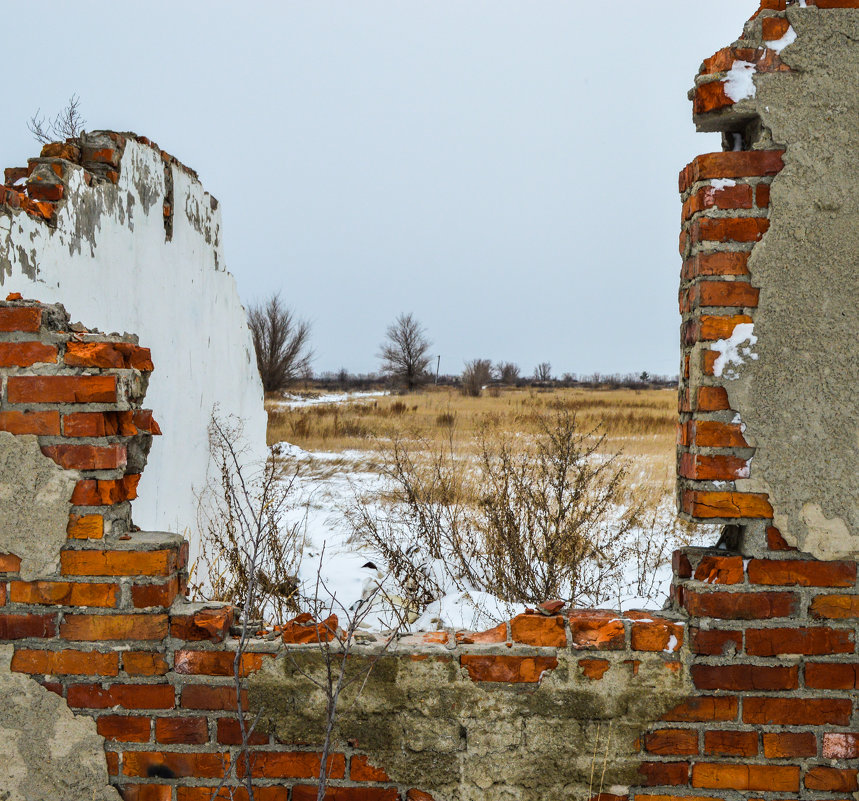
[281,342]
[508,373]
[66,125]
[404,352]
[476,375]
[543,372]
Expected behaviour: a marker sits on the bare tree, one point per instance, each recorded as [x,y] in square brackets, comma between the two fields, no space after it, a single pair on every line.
[404,352]
[477,374]
[281,342]
[508,373]
[543,372]
[66,125]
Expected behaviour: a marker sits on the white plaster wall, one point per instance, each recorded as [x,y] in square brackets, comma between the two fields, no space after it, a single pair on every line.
[108,262]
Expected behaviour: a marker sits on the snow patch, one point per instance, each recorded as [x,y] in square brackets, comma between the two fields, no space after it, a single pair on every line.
[734,351]
[780,44]
[718,184]
[739,83]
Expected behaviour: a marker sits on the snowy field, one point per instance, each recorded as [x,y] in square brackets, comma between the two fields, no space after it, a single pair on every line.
[344,571]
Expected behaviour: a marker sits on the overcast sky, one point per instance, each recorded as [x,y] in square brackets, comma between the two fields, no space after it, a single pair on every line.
[505,170]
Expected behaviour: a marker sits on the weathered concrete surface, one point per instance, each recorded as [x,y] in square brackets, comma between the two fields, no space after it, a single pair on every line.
[46,752]
[799,398]
[422,719]
[35,496]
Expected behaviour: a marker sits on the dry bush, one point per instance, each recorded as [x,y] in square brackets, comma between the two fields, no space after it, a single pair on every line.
[404,353]
[476,375]
[240,524]
[508,373]
[68,124]
[525,523]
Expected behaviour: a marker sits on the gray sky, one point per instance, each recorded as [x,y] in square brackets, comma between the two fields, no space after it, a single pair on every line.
[505,170]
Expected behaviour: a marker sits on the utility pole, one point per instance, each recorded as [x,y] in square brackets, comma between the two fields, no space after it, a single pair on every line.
[437,366]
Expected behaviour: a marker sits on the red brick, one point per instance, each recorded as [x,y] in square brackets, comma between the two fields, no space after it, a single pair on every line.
[745,677]
[125,728]
[712,399]
[731,743]
[20,627]
[63,663]
[203,765]
[680,565]
[144,663]
[493,635]
[21,318]
[762,196]
[715,327]
[201,696]
[789,744]
[114,627]
[831,780]
[38,423]
[594,669]
[83,527]
[712,468]
[671,742]
[835,607]
[734,294]
[64,593]
[713,434]
[92,562]
[720,263]
[732,197]
[209,624]
[802,573]
[293,765]
[229,733]
[764,778]
[650,633]
[181,730]
[711,96]
[506,668]
[774,28]
[539,630]
[9,563]
[710,505]
[775,541]
[841,745]
[116,355]
[230,793]
[418,795]
[657,774]
[87,457]
[61,389]
[601,631]
[831,676]
[741,605]
[127,696]
[772,642]
[99,424]
[720,570]
[98,492]
[360,770]
[25,354]
[797,711]
[736,164]
[161,595]
[215,663]
[704,709]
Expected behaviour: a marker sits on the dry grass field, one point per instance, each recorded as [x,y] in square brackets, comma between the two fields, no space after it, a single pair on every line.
[638,423]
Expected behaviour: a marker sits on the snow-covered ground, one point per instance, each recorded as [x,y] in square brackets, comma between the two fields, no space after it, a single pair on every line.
[298,401]
[343,571]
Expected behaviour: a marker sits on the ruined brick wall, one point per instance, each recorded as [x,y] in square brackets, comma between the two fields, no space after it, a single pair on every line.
[744,688]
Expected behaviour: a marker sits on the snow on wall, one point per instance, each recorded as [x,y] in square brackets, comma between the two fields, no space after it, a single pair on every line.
[109,258]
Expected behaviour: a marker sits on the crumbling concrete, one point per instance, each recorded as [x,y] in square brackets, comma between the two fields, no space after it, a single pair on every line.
[46,752]
[798,398]
[35,496]
[430,725]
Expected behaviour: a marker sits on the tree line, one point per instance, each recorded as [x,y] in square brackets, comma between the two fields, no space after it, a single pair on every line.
[284,357]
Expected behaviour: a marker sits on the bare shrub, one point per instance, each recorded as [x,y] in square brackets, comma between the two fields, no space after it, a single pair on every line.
[240,515]
[404,353]
[281,342]
[67,124]
[477,374]
[523,523]
[508,373]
